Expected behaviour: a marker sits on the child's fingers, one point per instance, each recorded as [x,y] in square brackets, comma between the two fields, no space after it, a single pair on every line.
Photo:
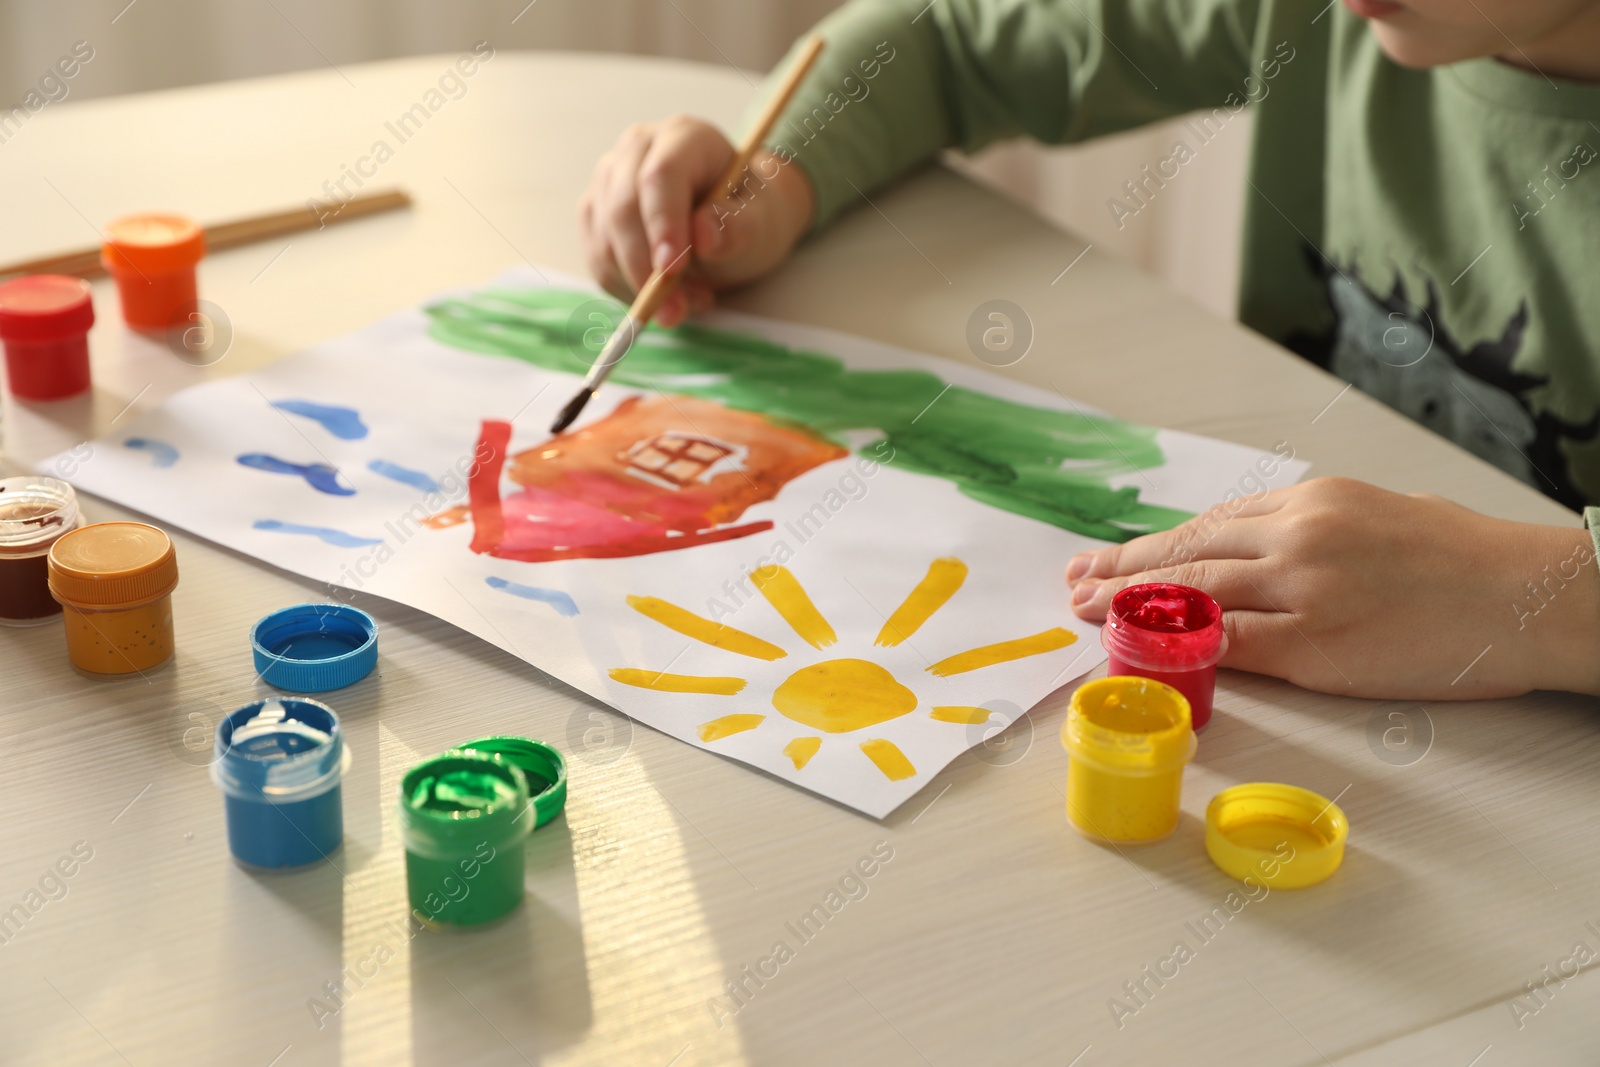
[673,310]
[1209,536]
[684,159]
[1259,641]
[620,215]
[1234,583]
[596,248]
[701,297]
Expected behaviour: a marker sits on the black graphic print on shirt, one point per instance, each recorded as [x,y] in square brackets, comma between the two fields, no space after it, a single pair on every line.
[1403,355]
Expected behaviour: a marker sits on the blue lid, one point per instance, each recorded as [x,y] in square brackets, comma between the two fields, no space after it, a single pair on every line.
[312,648]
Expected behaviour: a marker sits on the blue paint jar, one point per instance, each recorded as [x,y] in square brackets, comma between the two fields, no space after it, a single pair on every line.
[278,764]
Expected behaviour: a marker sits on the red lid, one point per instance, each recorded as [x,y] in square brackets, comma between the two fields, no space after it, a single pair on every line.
[45,307]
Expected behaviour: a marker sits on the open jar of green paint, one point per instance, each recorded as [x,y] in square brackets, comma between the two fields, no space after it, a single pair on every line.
[464,819]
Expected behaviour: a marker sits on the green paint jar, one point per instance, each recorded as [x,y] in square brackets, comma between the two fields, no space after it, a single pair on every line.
[463,820]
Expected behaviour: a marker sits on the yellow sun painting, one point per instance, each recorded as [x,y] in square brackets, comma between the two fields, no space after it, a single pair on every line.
[835,696]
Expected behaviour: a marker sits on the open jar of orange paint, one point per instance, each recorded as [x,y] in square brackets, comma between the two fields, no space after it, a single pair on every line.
[114,581]
[1128,740]
[153,258]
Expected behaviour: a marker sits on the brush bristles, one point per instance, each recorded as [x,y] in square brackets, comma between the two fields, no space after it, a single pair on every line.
[573,409]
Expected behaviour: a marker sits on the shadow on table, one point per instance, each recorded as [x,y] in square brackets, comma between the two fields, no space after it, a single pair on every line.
[1372,915]
[522,981]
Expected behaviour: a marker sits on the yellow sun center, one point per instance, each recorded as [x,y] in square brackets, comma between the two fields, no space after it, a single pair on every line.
[840,695]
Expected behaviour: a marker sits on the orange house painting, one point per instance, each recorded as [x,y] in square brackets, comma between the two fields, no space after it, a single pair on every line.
[655,475]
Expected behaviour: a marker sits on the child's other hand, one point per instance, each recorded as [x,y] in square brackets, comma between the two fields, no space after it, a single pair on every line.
[639,214]
[1342,587]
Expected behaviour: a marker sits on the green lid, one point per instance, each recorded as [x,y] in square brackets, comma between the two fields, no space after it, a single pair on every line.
[454,801]
[540,763]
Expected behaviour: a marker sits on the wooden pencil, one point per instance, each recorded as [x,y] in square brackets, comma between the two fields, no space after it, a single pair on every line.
[85,262]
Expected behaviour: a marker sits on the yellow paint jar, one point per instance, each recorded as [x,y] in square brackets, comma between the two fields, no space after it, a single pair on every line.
[114,581]
[1127,741]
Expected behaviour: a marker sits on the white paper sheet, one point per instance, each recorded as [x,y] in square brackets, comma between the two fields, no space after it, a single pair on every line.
[856,530]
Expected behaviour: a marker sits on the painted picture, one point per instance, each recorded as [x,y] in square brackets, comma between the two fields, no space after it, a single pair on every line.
[829,559]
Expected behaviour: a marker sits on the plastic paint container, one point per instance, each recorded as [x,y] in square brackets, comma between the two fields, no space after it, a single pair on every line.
[540,764]
[1280,836]
[279,765]
[44,322]
[34,513]
[463,816]
[1127,742]
[312,648]
[115,581]
[1171,633]
[153,258]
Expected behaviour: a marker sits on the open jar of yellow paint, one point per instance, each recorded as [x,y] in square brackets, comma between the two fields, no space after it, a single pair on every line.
[1127,741]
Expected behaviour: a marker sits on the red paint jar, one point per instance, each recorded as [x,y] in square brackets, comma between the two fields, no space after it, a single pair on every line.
[153,258]
[44,322]
[1170,633]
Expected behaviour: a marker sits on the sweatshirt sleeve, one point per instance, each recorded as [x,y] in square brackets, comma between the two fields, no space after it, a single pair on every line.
[900,80]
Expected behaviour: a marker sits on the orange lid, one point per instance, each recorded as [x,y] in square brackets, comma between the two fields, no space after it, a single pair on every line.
[153,244]
[112,565]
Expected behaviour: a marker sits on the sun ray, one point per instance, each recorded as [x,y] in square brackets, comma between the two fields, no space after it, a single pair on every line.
[704,630]
[784,592]
[801,749]
[944,577]
[677,683]
[960,713]
[890,760]
[1003,652]
[728,725]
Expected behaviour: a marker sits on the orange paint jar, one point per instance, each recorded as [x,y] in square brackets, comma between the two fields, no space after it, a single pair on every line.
[114,581]
[153,258]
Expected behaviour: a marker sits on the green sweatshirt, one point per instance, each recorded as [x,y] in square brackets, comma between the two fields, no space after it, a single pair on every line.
[1431,236]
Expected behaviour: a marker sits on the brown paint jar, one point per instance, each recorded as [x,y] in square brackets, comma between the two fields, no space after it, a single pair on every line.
[115,581]
[35,512]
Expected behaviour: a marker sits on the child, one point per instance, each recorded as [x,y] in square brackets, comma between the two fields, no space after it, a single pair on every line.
[1423,219]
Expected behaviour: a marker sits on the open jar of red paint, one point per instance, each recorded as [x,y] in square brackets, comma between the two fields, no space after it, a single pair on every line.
[1170,633]
[44,322]
[34,514]
[153,258]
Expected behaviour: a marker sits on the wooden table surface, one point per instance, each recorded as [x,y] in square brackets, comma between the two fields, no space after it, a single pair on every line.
[995,934]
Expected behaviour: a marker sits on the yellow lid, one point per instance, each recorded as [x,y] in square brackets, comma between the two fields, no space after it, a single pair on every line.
[112,565]
[1279,836]
[1129,725]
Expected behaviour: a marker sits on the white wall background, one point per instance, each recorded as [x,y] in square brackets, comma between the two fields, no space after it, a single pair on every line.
[1189,235]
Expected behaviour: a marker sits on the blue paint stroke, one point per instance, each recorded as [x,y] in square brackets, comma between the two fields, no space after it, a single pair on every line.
[563,603]
[336,538]
[161,453]
[343,423]
[320,476]
[405,475]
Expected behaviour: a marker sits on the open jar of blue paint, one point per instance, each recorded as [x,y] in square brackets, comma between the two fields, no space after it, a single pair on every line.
[279,764]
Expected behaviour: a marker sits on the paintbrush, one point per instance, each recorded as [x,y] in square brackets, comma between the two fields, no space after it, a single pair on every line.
[662,281]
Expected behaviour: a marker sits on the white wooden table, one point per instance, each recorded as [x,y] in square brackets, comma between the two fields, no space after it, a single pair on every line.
[994,935]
